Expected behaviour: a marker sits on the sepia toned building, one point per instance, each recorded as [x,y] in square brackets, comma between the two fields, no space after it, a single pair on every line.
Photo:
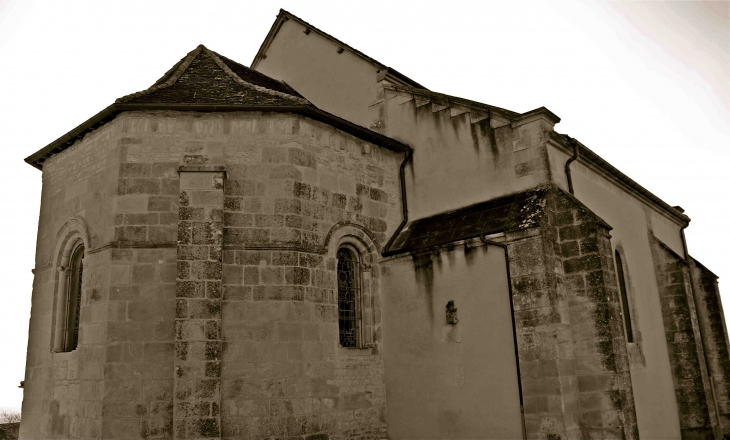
[320,247]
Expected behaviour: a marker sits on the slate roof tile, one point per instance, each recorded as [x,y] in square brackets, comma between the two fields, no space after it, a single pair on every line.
[204,77]
[204,81]
[496,215]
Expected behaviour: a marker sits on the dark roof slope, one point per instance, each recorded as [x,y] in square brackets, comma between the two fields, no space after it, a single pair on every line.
[512,212]
[256,77]
[204,81]
[204,77]
[496,215]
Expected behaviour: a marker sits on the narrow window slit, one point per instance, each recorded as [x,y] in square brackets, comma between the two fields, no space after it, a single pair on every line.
[347,287]
[624,298]
[73,307]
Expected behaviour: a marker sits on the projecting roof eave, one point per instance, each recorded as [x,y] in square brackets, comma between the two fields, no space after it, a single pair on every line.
[285,16]
[628,183]
[538,113]
[36,159]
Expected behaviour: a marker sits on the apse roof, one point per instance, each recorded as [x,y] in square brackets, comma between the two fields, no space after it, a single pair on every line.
[204,77]
[204,81]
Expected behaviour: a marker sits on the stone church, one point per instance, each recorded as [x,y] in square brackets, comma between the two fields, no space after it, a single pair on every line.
[320,247]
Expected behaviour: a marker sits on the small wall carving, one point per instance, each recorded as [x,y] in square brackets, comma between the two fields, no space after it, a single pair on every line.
[451,317]
[451,331]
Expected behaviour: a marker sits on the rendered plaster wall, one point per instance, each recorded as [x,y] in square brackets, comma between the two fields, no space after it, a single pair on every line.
[343,84]
[450,380]
[492,162]
[631,220]
[63,391]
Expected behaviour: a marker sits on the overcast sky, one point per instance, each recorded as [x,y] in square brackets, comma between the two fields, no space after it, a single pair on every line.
[646,85]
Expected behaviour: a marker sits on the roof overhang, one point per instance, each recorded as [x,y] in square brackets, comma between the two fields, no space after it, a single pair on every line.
[590,158]
[36,159]
[541,113]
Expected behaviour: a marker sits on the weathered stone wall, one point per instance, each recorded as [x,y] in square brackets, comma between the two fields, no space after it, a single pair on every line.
[632,220]
[290,200]
[295,189]
[138,381]
[288,182]
[63,391]
[542,320]
[712,320]
[198,343]
[572,348]
[138,387]
[600,344]
[697,416]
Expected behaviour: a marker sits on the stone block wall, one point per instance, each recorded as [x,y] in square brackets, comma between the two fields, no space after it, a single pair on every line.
[572,348]
[697,415]
[138,382]
[63,391]
[202,320]
[291,186]
[547,365]
[138,370]
[712,320]
[198,342]
[599,339]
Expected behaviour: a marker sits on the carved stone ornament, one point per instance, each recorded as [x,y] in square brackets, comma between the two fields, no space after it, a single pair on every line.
[451,317]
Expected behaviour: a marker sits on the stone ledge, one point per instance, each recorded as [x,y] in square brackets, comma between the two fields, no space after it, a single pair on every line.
[202,169]
[346,351]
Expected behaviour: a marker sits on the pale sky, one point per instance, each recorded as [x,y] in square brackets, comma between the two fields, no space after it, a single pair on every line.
[645,84]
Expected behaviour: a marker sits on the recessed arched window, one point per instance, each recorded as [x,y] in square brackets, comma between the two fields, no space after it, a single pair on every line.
[348,294]
[75,273]
[624,297]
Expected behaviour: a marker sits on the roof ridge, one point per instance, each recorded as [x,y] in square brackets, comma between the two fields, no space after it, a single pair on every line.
[181,65]
[216,59]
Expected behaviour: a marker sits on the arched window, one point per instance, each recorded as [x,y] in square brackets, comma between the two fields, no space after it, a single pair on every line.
[73,303]
[348,287]
[624,297]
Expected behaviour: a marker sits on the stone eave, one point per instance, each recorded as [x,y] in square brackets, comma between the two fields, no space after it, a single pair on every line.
[534,115]
[499,115]
[285,16]
[36,159]
[589,158]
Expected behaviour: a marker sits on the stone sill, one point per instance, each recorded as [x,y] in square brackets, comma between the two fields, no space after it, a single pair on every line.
[345,351]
